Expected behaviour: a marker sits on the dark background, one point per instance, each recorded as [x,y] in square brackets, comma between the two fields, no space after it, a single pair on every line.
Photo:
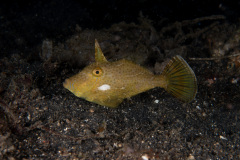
[25,24]
[39,118]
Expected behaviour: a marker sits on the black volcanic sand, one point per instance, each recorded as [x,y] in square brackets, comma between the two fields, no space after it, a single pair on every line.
[39,119]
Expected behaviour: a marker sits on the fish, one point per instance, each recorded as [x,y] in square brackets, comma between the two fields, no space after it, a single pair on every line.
[109,83]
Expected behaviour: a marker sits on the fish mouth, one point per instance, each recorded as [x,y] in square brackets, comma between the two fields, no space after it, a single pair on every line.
[66,83]
[69,85]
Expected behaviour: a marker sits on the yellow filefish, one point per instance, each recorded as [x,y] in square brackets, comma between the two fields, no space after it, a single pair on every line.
[109,83]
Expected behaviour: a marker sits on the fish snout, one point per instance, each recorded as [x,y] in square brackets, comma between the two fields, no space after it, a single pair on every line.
[72,86]
[67,84]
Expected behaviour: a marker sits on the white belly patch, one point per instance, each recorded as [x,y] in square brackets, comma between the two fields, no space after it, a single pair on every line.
[104,87]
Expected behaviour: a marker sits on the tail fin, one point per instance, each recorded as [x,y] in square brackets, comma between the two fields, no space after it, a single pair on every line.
[181,80]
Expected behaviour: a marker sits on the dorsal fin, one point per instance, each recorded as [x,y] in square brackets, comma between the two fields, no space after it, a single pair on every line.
[99,57]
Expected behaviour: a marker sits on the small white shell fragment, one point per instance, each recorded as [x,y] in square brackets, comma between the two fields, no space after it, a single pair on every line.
[191,157]
[235,80]
[104,87]
[145,157]
[198,107]
[156,101]
[224,138]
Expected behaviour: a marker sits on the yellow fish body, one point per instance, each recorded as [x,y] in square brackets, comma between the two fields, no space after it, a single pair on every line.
[109,83]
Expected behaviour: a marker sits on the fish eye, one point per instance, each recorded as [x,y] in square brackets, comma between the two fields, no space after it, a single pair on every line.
[97,72]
